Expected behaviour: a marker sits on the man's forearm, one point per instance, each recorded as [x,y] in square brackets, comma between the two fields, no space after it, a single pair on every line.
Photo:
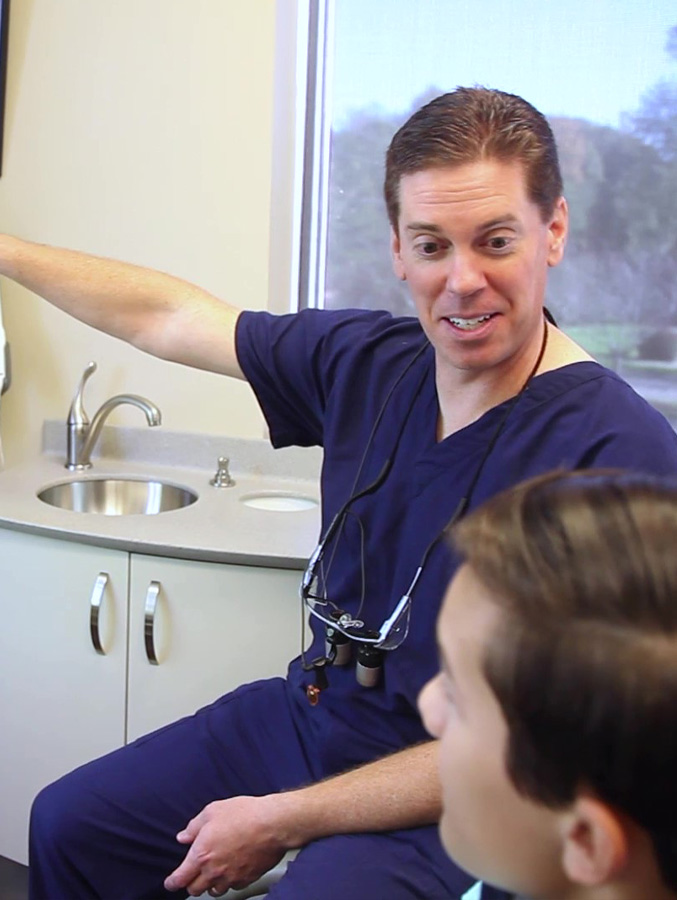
[398,791]
[234,841]
[155,312]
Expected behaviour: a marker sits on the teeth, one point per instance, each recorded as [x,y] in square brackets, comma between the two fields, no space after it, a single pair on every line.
[468,323]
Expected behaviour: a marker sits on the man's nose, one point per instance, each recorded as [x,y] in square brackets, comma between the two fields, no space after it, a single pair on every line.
[466,274]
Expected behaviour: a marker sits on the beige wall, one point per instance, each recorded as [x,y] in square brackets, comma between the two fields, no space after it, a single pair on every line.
[142,130]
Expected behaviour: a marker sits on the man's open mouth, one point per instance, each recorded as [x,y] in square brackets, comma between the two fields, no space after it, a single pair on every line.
[467,324]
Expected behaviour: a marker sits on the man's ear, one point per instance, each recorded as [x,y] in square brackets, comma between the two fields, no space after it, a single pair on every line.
[396,251]
[595,842]
[557,232]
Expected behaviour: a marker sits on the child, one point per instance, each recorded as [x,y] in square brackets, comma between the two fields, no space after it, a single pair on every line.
[556,704]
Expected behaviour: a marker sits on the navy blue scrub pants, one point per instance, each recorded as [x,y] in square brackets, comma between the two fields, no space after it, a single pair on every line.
[108,829]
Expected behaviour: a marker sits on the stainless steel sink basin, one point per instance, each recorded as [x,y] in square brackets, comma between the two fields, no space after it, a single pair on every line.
[117,496]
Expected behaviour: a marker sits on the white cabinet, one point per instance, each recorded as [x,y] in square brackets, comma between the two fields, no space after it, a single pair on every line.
[175,635]
[61,702]
[211,627]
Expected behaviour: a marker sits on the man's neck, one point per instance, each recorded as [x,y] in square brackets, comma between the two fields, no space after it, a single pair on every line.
[464,397]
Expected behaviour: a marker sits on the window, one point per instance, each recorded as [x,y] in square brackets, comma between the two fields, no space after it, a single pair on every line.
[4,29]
[604,73]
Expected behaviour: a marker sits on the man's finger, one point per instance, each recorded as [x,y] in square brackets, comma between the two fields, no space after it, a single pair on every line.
[191,830]
[182,876]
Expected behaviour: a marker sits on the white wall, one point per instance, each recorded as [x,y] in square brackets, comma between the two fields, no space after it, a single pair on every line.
[141,130]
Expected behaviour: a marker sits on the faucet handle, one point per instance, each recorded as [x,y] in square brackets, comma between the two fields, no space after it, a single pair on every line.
[77,414]
[223,477]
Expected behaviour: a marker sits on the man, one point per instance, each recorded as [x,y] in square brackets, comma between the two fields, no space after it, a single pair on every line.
[556,704]
[419,420]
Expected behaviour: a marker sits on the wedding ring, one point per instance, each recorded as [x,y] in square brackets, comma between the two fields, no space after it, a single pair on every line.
[215,892]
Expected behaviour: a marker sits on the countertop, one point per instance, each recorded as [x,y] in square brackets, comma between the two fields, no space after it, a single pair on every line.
[217,527]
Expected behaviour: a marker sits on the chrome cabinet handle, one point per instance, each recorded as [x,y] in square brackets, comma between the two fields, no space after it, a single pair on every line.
[94,610]
[149,622]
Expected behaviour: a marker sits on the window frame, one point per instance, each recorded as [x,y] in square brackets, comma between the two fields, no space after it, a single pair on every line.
[300,154]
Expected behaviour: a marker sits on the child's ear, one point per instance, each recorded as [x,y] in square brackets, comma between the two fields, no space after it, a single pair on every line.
[595,842]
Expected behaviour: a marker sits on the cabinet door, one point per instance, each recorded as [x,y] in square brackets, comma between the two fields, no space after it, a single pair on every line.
[211,627]
[61,702]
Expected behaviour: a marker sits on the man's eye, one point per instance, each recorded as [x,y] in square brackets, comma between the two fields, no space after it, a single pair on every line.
[428,248]
[499,243]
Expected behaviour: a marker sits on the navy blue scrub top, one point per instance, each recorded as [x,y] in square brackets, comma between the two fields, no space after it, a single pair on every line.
[321,378]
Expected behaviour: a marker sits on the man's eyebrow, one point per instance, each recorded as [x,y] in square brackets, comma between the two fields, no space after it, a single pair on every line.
[424,226]
[498,222]
[431,228]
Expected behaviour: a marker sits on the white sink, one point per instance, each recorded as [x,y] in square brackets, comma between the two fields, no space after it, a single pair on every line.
[279,501]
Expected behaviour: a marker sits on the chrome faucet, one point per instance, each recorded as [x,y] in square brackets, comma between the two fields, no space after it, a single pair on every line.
[82,434]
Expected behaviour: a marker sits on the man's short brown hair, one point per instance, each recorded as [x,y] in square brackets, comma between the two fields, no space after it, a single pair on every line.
[471,124]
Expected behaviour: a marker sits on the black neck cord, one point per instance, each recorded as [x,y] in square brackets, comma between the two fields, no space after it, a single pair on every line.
[339,518]
[463,503]
[377,422]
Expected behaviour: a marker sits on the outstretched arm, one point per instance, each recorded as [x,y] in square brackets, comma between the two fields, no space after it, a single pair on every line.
[155,312]
[235,841]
